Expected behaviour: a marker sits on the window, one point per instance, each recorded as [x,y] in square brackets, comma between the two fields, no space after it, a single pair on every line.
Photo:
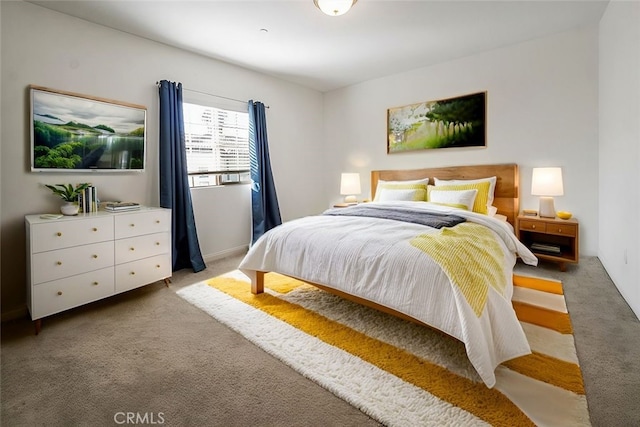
[217,145]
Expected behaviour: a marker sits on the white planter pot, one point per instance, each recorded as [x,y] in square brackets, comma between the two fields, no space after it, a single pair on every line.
[69,208]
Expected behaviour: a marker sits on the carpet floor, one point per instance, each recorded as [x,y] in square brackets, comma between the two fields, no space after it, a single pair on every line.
[400,373]
[148,351]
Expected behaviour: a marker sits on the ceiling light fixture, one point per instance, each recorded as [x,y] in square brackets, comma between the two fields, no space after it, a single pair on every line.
[334,7]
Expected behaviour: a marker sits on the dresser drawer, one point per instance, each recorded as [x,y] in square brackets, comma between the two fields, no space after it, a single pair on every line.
[563,229]
[59,295]
[66,234]
[139,223]
[138,273]
[135,248]
[52,265]
[533,226]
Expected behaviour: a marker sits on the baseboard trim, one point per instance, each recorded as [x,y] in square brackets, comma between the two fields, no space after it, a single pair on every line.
[226,253]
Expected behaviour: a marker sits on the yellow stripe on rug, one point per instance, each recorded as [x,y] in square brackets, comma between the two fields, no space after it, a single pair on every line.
[282,284]
[542,317]
[550,370]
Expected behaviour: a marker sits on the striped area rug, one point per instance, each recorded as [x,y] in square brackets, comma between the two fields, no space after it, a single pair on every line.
[404,374]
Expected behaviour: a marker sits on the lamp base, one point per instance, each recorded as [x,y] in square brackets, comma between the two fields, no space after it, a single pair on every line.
[547,210]
[350,199]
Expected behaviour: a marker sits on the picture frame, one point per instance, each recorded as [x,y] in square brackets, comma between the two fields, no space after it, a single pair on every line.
[444,123]
[71,132]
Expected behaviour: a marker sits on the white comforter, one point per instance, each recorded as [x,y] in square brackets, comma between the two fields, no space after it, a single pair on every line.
[373,259]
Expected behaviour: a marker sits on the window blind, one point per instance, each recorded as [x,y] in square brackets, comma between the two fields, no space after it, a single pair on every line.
[216,140]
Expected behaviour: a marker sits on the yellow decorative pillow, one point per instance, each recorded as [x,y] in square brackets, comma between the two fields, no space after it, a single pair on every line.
[393,192]
[479,205]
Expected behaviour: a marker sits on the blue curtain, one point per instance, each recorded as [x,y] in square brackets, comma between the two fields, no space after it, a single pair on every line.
[264,201]
[174,184]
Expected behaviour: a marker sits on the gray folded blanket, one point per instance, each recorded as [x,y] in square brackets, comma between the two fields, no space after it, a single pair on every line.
[416,216]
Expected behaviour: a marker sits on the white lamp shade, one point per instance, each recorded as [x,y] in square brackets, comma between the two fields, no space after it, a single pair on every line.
[547,182]
[350,186]
[334,7]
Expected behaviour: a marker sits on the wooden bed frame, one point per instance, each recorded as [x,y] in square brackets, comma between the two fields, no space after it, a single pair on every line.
[506,199]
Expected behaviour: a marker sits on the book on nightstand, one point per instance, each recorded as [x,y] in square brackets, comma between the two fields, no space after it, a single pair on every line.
[548,248]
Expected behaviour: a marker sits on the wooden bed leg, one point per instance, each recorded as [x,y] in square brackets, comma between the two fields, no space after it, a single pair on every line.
[38,325]
[257,283]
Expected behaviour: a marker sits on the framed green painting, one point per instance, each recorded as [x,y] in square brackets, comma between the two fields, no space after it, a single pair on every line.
[444,123]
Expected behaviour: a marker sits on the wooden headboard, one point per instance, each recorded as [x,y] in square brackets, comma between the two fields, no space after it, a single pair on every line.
[506,196]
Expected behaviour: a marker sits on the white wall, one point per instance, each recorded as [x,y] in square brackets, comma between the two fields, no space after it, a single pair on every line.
[619,49]
[542,103]
[49,49]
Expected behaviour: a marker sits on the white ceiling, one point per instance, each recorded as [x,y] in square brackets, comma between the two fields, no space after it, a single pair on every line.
[376,38]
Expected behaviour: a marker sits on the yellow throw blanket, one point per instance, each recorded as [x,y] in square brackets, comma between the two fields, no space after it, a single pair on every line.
[471,257]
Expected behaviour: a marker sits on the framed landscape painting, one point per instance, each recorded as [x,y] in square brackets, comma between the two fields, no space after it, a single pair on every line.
[445,123]
[71,132]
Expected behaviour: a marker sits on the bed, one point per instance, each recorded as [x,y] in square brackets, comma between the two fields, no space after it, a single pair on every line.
[404,256]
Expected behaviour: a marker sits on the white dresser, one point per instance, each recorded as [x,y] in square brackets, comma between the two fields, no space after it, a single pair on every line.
[75,260]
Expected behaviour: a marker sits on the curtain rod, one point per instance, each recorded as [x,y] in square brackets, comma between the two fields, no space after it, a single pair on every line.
[211,94]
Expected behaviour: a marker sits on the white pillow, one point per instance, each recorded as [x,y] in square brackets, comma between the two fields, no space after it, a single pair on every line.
[492,211]
[382,183]
[401,192]
[455,198]
[492,185]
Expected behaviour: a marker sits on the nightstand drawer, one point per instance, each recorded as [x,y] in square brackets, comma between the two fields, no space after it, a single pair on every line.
[538,226]
[563,229]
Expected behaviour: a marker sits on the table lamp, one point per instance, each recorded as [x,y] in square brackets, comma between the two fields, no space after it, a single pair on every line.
[546,183]
[350,186]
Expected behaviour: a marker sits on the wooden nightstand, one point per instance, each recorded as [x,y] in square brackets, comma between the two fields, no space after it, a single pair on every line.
[551,239]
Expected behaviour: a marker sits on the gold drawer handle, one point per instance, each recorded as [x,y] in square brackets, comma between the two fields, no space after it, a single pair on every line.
[132,249]
[95,229]
[95,256]
[59,262]
[59,292]
[533,226]
[132,225]
[158,266]
[58,234]
[157,243]
[157,221]
[133,273]
[559,230]
[95,283]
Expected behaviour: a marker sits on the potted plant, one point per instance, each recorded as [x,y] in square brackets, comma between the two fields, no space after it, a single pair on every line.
[69,194]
